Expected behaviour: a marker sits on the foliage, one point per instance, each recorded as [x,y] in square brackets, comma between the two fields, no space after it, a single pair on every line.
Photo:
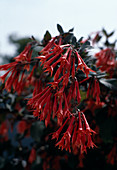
[48,92]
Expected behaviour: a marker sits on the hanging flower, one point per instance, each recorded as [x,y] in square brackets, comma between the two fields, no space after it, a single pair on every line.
[94,90]
[82,66]
[15,68]
[64,143]
[77,135]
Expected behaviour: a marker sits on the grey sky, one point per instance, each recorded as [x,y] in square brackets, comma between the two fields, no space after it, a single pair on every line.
[34,17]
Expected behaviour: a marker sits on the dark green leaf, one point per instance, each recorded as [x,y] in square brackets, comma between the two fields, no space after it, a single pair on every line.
[109,83]
[112,81]
[68,38]
[86,43]
[80,39]
[109,35]
[33,38]
[107,129]
[37,130]
[104,32]
[84,46]
[71,30]
[107,43]
[60,29]
[98,38]
[47,36]
[74,40]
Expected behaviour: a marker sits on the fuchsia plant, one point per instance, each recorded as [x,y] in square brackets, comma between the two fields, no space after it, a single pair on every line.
[64,60]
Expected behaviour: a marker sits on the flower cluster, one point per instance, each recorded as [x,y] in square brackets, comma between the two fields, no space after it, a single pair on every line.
[17,70]
[105,59]
[77,136]
[55,98]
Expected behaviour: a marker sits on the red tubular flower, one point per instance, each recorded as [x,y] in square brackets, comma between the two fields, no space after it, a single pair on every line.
[31,74]
[69,59]
[12,67]
[77,135]
[47,119]
[54,57]
[66,109]
[83,139]
[16,82]
[4,76]
[36,97]
[62,60]
[65,142]
[38,86]
[54,106]
[47,63]
[90,143]
[49,69]
[45,111]
[22,61]
[38,102]
[45,100]
[25,55]
[88,129]
[69,96]
[74,91]
[10,80]
[94,90]
[66,79]
[21,84]
[73,68]
[8,66]
[13,81]
[78,92]
[60,112]
[59,92]
[61,144]
[98,92]
[82,66]
[56,134]
[80,138]
[45,57]
[48,46]
[59,70]
[74,135]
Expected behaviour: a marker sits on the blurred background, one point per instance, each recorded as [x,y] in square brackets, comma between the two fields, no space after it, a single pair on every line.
[34,17]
